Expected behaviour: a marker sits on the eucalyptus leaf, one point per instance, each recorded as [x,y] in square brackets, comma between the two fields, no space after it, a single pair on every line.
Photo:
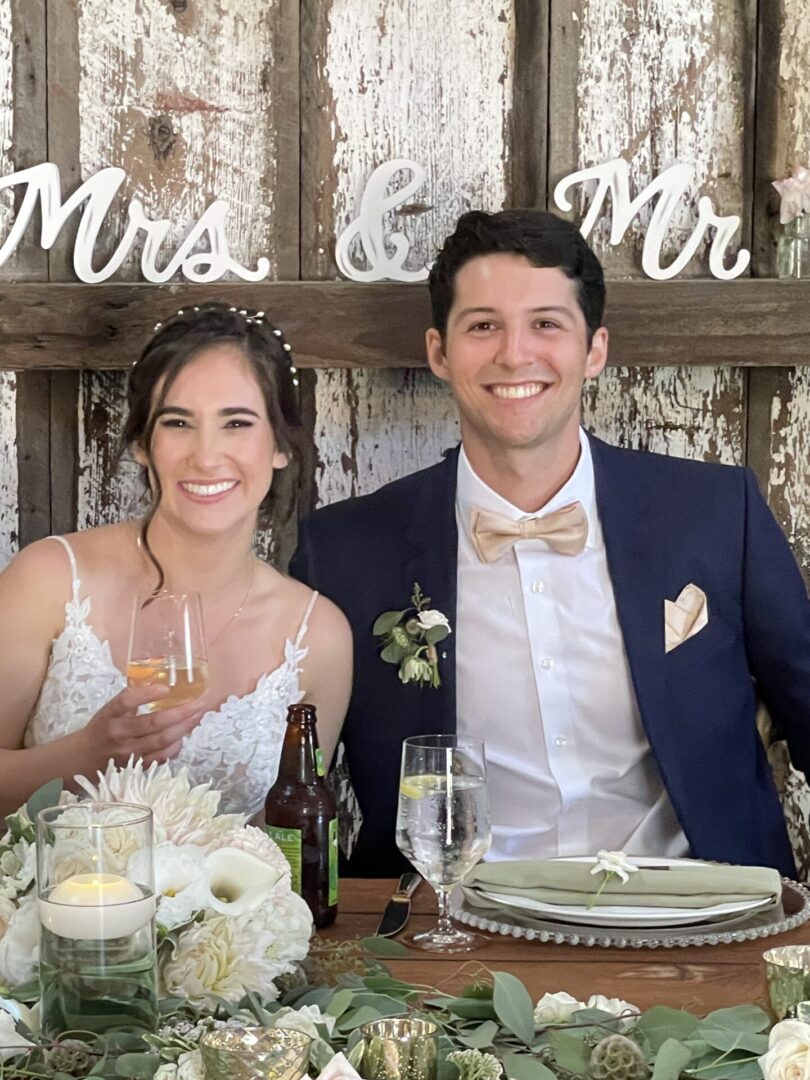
[355,1055]
[480,1037]
[436,634]
[513,1006]
[480,990]
[320,1053]
[340,1002]
[727,1039]
[355,1018]
[671,1060]
[570,1052]
[44,798]
[738,1018]
[383,947]
[525,1067]
[466,1008]
[661,1023]
[138,1066]
[386,622]
[392,653]
[317,995]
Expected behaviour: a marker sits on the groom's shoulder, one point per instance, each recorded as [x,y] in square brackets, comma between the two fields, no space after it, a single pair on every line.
[654,468]
[385,510]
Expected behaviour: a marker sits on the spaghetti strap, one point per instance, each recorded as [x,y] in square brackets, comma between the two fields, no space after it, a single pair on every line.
[303,628]
[74,570]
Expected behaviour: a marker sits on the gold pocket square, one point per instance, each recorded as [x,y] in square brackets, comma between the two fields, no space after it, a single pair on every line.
[685,616]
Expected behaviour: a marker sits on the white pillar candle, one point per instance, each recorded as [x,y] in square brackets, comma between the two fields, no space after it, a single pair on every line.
[95,906]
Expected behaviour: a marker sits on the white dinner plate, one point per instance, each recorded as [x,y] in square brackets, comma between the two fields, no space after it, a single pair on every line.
[622,916]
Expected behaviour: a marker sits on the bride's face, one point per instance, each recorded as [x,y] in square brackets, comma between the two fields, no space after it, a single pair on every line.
[213,448]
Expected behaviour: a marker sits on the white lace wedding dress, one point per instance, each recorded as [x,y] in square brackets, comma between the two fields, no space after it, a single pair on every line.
[236,747]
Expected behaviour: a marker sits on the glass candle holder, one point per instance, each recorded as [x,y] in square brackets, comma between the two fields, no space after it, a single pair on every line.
[254,1053]
[787,970]
[399,1049]
[95,886]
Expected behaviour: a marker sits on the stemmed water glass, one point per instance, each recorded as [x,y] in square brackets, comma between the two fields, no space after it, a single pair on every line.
[443,823]
[167,646]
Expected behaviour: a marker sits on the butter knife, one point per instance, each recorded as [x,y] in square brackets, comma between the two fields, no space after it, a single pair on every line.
[398,908]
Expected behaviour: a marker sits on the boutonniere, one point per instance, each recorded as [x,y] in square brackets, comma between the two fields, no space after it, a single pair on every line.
[410,637]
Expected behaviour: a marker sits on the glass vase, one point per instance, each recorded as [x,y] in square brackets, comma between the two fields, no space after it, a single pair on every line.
[793,249]
[96,896]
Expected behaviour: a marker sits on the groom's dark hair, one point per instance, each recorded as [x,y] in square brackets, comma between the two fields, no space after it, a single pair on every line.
[542,238]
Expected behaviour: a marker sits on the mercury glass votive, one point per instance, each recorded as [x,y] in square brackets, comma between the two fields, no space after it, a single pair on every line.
[399,1049]
[254,1053]
[787,970]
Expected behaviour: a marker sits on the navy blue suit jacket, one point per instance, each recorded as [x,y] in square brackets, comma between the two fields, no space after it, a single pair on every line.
[666,523]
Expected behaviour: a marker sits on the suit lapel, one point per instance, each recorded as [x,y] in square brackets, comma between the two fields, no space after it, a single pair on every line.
[432,538]
[635,563]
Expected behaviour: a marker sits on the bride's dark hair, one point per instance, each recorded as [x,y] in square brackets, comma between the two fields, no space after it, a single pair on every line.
[174,345]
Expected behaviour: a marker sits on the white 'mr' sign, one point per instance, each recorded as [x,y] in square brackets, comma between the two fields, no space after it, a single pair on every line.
[385,256]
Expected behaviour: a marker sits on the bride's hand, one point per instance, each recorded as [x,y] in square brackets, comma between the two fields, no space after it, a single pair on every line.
[117,730]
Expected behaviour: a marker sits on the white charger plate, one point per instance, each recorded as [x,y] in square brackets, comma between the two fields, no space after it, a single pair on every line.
[621,916]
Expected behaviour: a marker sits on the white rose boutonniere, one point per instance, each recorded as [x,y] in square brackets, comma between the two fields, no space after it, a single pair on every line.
[409,639]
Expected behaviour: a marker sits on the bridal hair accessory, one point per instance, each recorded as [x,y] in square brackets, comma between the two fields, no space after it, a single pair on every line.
[410,637]
[257,318]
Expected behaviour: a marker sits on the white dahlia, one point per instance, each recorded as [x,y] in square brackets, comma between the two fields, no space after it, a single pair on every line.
[182,814]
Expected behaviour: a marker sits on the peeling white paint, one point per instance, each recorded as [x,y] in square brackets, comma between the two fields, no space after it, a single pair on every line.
[375,426]
[137,66]
[789,474]
[209,90]
[657,83]
[794,87]
[9,489]
[409,80]
[685,412]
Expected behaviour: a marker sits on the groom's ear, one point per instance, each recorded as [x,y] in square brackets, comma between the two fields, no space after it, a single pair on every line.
[435,354]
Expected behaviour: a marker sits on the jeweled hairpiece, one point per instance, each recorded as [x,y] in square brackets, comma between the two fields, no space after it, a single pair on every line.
[255,317]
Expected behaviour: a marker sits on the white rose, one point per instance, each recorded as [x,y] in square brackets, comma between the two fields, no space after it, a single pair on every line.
[7,909]
[190,1066]
[10,1037]
[614,1006]
[180,883]
[19,946]
[338,1068]
[788,1056]
[287,925]
[556,1008]
[428,619]
[304,1020]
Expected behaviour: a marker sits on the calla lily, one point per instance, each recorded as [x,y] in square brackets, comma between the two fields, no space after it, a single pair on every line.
[238,881]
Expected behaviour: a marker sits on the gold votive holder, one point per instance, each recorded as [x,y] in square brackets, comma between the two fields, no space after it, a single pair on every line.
[254,1053]
[787,970]
[399,1049]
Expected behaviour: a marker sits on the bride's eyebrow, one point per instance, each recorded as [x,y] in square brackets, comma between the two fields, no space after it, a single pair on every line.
[175,409]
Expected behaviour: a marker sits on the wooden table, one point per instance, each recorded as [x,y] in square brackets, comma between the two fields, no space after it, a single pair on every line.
[698,978]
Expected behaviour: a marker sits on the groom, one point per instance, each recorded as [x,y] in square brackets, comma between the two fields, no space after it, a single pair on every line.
[615,615]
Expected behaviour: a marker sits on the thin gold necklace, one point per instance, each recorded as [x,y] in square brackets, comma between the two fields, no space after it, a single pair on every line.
[238,611]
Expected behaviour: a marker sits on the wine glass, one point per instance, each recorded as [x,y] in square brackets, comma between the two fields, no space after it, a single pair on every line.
[443,823]
[167,646]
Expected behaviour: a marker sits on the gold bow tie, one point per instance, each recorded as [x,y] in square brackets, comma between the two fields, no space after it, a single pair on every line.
[564,530]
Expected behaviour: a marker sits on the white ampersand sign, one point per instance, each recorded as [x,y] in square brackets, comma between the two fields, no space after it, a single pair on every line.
[385,255]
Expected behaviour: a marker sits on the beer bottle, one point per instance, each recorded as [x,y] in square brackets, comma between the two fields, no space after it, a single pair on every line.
[301,815]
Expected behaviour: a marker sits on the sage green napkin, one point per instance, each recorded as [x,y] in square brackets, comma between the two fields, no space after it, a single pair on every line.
[565,882]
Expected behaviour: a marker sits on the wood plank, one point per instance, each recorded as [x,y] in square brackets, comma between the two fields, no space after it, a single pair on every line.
[528,136]
[694,323]
[194,102]
[25,490]
[381,83]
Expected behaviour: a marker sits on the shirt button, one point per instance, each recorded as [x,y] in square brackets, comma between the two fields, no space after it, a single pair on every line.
[547,663]
[561,741]
[538,586]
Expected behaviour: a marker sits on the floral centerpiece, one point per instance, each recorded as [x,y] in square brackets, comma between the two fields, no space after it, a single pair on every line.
[228,920]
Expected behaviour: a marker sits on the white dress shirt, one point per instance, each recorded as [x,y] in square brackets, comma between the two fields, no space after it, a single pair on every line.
[543,679]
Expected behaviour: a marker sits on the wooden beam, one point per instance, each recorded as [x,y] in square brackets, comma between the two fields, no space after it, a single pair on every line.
[743,323]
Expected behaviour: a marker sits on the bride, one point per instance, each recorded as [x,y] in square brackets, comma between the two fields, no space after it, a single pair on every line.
[212,416]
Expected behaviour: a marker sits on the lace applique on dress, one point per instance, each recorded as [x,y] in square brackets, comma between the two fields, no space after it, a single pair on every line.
[236,747]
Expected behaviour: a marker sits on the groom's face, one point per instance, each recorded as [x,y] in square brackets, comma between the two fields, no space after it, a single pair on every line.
[516,352]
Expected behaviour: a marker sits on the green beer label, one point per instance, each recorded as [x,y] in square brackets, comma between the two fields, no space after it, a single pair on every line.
[333,861]
[319,765]
[289,840]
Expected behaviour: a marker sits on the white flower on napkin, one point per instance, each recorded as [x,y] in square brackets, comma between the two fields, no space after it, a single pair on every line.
[556,1008]
[614,862]
[788,1056]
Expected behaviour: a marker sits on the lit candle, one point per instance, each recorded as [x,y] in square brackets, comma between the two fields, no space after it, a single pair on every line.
[95,906]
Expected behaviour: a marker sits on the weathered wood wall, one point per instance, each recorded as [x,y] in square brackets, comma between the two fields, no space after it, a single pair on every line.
[285,112]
